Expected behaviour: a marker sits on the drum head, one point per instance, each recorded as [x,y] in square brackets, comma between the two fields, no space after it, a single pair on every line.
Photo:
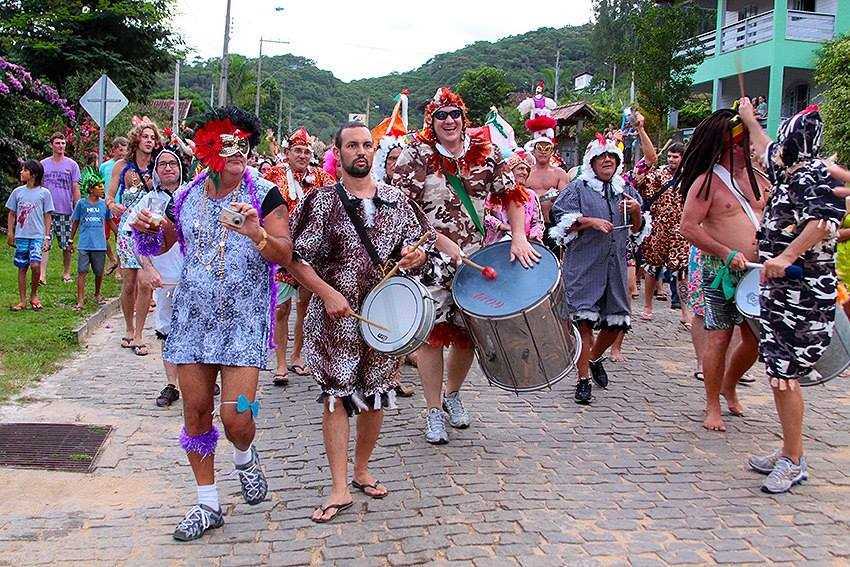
[747,294]
[515,288]
[398,306]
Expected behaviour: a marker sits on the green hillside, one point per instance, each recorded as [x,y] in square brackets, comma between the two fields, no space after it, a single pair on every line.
[320,101]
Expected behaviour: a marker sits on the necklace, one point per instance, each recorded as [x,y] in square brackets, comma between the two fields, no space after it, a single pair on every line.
[210,236]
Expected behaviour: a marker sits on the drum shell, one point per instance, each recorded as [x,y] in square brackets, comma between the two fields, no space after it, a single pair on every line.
[530,350]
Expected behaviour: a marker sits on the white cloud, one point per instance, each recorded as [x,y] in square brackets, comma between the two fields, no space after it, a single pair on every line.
[366,39]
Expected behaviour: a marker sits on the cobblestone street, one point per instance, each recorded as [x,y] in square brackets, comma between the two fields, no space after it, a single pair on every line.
[537,480]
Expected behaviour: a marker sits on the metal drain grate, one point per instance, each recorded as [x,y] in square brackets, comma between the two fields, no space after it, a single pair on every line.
[51,446]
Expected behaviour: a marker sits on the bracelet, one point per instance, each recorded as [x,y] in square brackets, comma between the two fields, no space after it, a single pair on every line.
[731,256]
[263,240]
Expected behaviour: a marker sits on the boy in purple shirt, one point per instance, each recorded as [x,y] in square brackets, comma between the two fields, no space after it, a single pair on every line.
[62,178]
[29,219]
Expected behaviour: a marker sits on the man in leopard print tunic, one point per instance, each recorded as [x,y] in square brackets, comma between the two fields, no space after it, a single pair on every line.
[799,227]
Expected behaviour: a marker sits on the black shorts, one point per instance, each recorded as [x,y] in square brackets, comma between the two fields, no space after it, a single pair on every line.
[94,258]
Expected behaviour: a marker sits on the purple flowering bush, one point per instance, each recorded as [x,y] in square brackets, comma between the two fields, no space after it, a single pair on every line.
[16,79]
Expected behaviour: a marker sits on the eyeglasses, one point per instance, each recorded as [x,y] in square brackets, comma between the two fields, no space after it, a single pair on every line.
[167,164]
[443,114]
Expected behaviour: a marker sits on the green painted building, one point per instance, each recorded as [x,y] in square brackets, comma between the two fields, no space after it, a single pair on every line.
[774,43]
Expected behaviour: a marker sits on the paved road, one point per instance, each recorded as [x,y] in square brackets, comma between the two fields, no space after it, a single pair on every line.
[536,480]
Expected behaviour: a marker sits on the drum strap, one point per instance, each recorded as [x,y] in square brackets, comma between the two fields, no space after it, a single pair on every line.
[358,227]
[460,191]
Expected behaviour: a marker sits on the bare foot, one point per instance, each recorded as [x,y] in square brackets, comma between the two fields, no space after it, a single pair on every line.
[713,421]
[735,406]
[617,355]
[646,315]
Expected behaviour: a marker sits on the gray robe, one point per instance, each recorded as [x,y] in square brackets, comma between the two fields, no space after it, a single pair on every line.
[594,264]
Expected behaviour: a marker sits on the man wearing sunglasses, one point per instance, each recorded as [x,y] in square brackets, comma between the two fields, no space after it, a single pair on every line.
[449,172]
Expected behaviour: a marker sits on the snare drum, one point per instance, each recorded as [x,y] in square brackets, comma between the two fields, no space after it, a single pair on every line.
[519,322]
[406,308]
[836,357]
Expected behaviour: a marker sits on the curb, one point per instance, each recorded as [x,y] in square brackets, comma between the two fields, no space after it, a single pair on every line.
[96,319]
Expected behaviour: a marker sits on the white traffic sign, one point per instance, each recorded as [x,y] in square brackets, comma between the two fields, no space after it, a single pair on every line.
[103,101]
[357,117]
[103,93]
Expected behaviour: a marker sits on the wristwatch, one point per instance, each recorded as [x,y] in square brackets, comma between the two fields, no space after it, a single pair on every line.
[263,240]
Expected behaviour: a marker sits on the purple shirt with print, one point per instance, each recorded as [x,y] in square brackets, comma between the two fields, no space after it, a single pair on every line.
[59,177]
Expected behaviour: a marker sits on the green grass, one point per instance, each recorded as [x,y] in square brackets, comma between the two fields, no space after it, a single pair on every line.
[34,343]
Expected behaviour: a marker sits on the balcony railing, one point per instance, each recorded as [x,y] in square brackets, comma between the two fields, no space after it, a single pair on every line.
[746,32]
[810,26]
[704,42]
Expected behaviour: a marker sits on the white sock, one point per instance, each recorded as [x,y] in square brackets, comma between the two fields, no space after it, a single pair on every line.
[208,496]
[241,457]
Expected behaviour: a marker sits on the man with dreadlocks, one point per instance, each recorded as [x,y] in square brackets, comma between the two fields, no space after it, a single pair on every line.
[723,206]
[800,224]
[232,227]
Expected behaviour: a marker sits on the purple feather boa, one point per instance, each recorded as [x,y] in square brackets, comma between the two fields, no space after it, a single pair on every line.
[203,445]
[148,243]
[248,179]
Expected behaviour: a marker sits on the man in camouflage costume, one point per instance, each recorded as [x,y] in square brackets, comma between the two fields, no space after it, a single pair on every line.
[799,227]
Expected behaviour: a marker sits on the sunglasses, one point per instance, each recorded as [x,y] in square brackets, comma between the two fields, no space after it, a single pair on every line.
[443,114]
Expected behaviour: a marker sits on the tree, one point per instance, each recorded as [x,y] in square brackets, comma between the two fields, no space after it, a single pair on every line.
[482,88]
[832,73]
[613,30]
[71,42]
[663,63]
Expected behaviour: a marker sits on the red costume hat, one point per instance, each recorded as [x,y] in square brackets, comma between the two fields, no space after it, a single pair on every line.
[300,138]
[223,133]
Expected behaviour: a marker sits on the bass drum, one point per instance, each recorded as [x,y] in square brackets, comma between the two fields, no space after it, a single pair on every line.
[519,322]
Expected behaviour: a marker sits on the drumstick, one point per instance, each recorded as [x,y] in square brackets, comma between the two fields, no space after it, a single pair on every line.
[368,322]
[740,71]
[793,271]
[395,269]
[487,271]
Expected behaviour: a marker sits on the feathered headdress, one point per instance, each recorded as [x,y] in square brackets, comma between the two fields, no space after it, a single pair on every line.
[224,132]
[443,97]
[598,146]
[519,157]
[89,179]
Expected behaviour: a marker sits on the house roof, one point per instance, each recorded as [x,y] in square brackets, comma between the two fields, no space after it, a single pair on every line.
[167,105]
[573,111]
[577,75]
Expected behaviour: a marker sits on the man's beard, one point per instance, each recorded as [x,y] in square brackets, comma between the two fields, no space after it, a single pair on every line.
[356,171]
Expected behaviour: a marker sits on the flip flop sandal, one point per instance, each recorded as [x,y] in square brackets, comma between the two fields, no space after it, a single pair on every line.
[18,307]
[374,486]
[646,316]
[126,342]
[699,376]
[138,348]
[299,369]
[746,380]
[36,305]
[337,509]
[280,380]
[67,279]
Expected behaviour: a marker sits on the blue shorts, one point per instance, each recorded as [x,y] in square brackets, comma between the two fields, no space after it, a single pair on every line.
[27,251]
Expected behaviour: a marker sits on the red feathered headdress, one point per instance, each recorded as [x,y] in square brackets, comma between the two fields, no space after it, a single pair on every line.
[218,139]
[300,138]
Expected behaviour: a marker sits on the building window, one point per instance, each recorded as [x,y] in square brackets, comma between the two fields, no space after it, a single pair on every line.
[802,5]
[748,11]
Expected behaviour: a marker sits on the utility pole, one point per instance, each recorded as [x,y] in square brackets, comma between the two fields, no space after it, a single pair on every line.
[614,78]
[279,113]
[212,95]
[225,60]
[557,72]
[289,121]
[259,73]
[175,114]
[368,106]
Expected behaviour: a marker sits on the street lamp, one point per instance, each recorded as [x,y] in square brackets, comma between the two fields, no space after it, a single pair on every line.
[259,72]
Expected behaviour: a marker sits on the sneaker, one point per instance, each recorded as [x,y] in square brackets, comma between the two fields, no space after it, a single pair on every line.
[766,463]
[216,389]
[168,396]
[584,391]
[435,427]
[784,475]
[458,416]
[597,372]
[198,520]
[254,484]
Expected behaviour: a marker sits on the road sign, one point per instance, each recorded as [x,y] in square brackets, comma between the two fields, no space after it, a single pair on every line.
[103,101]
[355,117]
